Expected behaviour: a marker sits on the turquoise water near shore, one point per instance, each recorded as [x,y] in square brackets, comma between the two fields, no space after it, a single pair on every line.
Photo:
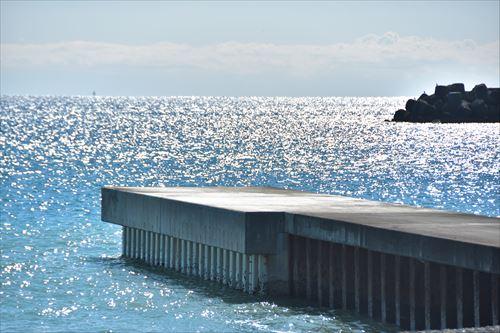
[60,266]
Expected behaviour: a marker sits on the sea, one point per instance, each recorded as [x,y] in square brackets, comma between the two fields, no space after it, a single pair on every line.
[61,269]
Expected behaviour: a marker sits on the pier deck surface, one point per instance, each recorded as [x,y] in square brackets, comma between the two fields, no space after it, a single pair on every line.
[466,228]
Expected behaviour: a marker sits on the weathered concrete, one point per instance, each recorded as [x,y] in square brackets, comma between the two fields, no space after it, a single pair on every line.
[248,220]
[417,268]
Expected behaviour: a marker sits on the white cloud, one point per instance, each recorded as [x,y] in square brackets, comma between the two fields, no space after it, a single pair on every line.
[388,49]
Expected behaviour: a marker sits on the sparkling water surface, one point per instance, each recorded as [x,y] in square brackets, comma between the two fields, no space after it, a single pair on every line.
[61,269]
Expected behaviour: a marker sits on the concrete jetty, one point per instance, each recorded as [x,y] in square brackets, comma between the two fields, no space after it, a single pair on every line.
[418,268]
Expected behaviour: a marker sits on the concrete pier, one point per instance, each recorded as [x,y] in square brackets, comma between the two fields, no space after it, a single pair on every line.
[420,269]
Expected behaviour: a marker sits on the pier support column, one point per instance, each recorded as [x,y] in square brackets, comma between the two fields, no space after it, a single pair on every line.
[294,240]
[369,290]
[129,242]
[158,248]
[213,263]
[427,295]
[152,248]
[178,247]
[189,258]
[158,238]
[475,287]
[183,256]
[494,299]
[208,266]
[238,273]
[397,286]
[128,250]
[356,279]
[344,277]
[128,247]
[412,294]
[144,245]
[219,265]
[147,257]
[124,241]
[147,242]
[141,244]
[308,269]
[225,266]
[245,274]
[262,269]
[319,273]
[171,253]
[162,250]
[232,271]
[134,242]
[459,296]
[201,260]
[137,239]
[196,259]
[252,262]
[165,250]
[331,277]
[383,312]
[135,248]
[443,287]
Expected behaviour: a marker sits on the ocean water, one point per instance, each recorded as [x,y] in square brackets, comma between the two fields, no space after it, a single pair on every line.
[61,269]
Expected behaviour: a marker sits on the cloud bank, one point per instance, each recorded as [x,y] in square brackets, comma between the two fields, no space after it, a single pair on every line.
[389,50]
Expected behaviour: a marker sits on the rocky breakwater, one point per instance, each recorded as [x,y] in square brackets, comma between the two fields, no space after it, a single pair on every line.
[453,104]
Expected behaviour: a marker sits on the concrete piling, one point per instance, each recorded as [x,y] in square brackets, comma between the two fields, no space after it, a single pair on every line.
[344,278]
[225,266]
[475,286]
[238,273]
[201,260]
[250,273]
[427,295]
[124,240]
[207,252]
[189,257]
[426,284]
[171,253]
[356,280]
[397,300]
[231,268]
[370,284]
[459,297]
[194,259]
[443,289]
[178,247]
[308,270]
[219,266]
[262,268]
[383,312]
[331,272]
[213,263]
[244,273]
[319,274]
[494,299]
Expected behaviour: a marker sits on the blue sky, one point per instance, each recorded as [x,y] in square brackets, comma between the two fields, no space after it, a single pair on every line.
[246,48]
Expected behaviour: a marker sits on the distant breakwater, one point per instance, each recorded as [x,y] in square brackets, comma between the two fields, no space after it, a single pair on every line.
[453,104]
